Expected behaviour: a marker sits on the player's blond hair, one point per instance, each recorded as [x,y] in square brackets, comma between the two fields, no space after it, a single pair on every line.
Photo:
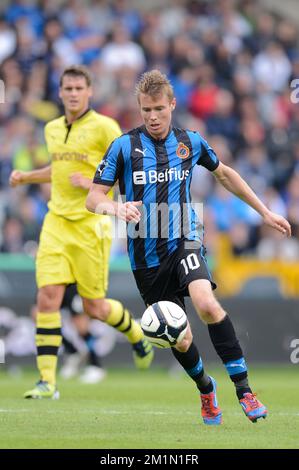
[154,83]
[76,71]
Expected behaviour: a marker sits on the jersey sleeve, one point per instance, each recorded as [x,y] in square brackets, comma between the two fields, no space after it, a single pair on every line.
[207,157]
[110,167]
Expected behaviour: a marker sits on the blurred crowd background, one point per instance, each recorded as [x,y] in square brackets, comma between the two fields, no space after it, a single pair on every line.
[231,64]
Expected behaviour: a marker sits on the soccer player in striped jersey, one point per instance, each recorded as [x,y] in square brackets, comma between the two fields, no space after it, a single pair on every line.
[154,165]
[74,244]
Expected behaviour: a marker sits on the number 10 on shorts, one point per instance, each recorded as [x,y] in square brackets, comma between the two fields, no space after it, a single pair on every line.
[190,263]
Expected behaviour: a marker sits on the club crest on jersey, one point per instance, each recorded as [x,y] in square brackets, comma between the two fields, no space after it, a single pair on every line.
[182,151]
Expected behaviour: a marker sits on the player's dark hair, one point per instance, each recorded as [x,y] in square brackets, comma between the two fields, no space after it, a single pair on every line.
[76,71]
[154,83]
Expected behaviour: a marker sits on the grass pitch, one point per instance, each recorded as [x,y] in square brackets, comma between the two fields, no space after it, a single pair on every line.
[151,410]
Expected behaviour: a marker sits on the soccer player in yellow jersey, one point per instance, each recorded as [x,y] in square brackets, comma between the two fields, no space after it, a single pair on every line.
[68,251]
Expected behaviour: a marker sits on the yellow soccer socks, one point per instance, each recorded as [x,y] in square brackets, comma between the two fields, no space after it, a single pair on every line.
[121,319]
[48,339]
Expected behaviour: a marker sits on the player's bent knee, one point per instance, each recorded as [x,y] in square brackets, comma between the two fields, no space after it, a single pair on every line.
[96,308]
[207,305]
[49,298]
[208,308]
[212,315]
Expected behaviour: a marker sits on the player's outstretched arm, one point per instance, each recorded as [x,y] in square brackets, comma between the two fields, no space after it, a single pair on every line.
[18,177]
[234,183]
[99,203]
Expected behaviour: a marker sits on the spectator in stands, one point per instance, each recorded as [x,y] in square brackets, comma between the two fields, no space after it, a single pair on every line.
[122,52]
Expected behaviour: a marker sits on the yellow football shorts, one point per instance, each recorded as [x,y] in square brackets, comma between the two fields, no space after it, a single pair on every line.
[75,251]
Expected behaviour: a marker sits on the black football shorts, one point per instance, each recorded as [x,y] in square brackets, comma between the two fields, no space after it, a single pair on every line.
[170,280]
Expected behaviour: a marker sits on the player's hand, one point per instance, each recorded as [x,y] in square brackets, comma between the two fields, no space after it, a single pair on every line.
[278,222]
[16,178]
[129,212]
[80,181]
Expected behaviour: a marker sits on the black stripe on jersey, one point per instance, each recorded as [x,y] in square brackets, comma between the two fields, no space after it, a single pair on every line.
[120,172]
[138,191]
[161,197]
[182,136]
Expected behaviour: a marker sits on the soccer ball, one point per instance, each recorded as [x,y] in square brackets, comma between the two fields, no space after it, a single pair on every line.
[164,324]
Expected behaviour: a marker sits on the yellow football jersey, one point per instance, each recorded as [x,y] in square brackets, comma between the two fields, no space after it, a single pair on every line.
[76,148]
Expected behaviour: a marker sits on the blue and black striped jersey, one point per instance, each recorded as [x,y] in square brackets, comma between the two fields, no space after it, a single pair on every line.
[158,173]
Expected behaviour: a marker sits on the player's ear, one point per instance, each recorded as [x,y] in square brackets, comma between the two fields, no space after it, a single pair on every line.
[173,104]
[90,91]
